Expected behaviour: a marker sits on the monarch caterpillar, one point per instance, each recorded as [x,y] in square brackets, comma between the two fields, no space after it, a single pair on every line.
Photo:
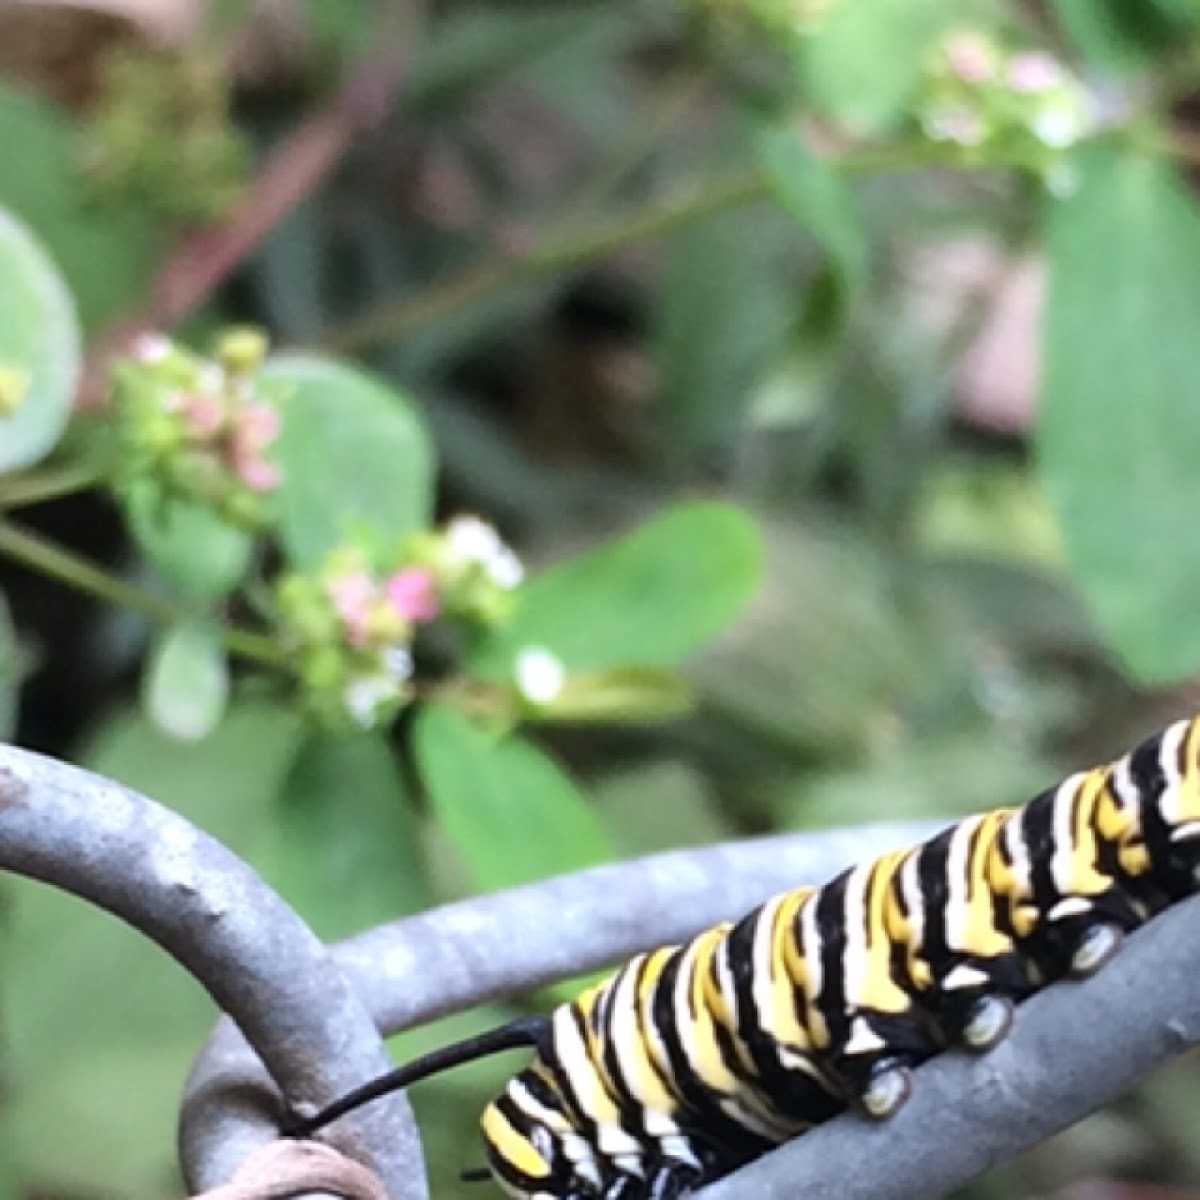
[694,1059]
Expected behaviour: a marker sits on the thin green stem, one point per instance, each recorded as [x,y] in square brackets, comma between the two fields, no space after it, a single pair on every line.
[571,247]
[56,562]
[51,483]
[392,319]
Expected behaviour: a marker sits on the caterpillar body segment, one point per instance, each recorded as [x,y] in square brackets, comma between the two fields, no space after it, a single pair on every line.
[693,1059]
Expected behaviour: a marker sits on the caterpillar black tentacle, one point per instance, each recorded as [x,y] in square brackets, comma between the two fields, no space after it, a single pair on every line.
[691,1060]
[518,1034]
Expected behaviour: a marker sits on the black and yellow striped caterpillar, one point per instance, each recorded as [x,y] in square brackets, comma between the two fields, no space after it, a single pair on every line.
[691,1060]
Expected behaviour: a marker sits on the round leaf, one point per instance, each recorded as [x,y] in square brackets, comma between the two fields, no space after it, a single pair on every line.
[186,685]
[39,349]
[107,253]
[864,60]
[354,454]
[650,598]
[1119,428]
[345,849]
[507,808]
[188,544]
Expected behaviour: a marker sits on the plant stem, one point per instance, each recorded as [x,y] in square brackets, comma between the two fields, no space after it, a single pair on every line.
[563,249]
[36,487]
[394,318]
[56,562]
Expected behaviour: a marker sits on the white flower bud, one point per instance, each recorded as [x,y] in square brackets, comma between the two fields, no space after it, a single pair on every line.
[540,676]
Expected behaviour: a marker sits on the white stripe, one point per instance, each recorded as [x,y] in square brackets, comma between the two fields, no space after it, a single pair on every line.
[854,956]
[914,899]
[532,1107]
[1168,756]
[573,1056]
[1060,857]
[762,991]
[811,944]
[964,976]
[1018,853]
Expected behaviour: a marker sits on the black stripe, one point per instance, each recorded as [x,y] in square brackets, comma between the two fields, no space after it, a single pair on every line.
[1037,829]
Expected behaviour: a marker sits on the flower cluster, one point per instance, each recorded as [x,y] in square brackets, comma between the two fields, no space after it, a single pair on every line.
[1021,106]
[352,622]
[197,426]
[160,135]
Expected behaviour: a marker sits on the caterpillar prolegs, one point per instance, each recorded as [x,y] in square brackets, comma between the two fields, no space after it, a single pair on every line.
[693,1059]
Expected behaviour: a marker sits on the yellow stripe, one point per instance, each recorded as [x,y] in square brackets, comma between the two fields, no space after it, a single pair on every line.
[880,991]
[511,1146]
[982,936]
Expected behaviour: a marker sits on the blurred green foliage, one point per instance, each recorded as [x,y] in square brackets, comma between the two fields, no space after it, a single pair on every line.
[684,297]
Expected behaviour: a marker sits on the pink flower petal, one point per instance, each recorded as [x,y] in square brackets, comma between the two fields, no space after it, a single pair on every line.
[257,426]
[411,594]
[256,473]
[351,595]
[202,415]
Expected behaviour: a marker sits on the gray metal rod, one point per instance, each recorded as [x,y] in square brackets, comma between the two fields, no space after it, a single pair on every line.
[207,909]
[414,970]
[1074,1047]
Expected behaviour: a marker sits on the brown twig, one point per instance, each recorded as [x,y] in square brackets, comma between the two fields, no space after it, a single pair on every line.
[204,258]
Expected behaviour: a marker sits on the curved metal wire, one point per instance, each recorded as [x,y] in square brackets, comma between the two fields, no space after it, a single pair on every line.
[255,957]
[414,970]
[1074,1046]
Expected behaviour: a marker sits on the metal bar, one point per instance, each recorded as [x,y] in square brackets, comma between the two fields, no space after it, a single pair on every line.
[411,971]
[1073,1048]
[206,908]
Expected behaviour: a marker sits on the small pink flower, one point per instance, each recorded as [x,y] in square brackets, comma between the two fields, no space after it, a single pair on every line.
[1034,72]
[257,426]
[412,595]
[970,58]
[151,348]
[256,473]
[202,415]
[352,595]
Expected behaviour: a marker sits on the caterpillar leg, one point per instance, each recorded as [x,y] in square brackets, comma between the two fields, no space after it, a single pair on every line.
[1076,945]
[988,1022]
[887,1090]
[672,1181]
[1097,944]
[874,1069]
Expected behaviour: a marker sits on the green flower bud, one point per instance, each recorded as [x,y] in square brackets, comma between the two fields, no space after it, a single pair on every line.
[14,385]
[241,350]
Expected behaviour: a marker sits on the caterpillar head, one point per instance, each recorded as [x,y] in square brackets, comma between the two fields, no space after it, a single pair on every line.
[527,1157]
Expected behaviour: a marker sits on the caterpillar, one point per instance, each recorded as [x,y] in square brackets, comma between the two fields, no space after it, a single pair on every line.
[693,1059]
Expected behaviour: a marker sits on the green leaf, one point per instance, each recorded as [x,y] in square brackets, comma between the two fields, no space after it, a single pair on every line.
[188,543]
[506,807]
[1119,36]
[725,300]
[354,455]
[107,254]
[649,598]
[40,348]
[186,684]
[345,849]
[1118,434]
[622,694]
[476,45]
[864,61]
[660,805]
[820,201]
